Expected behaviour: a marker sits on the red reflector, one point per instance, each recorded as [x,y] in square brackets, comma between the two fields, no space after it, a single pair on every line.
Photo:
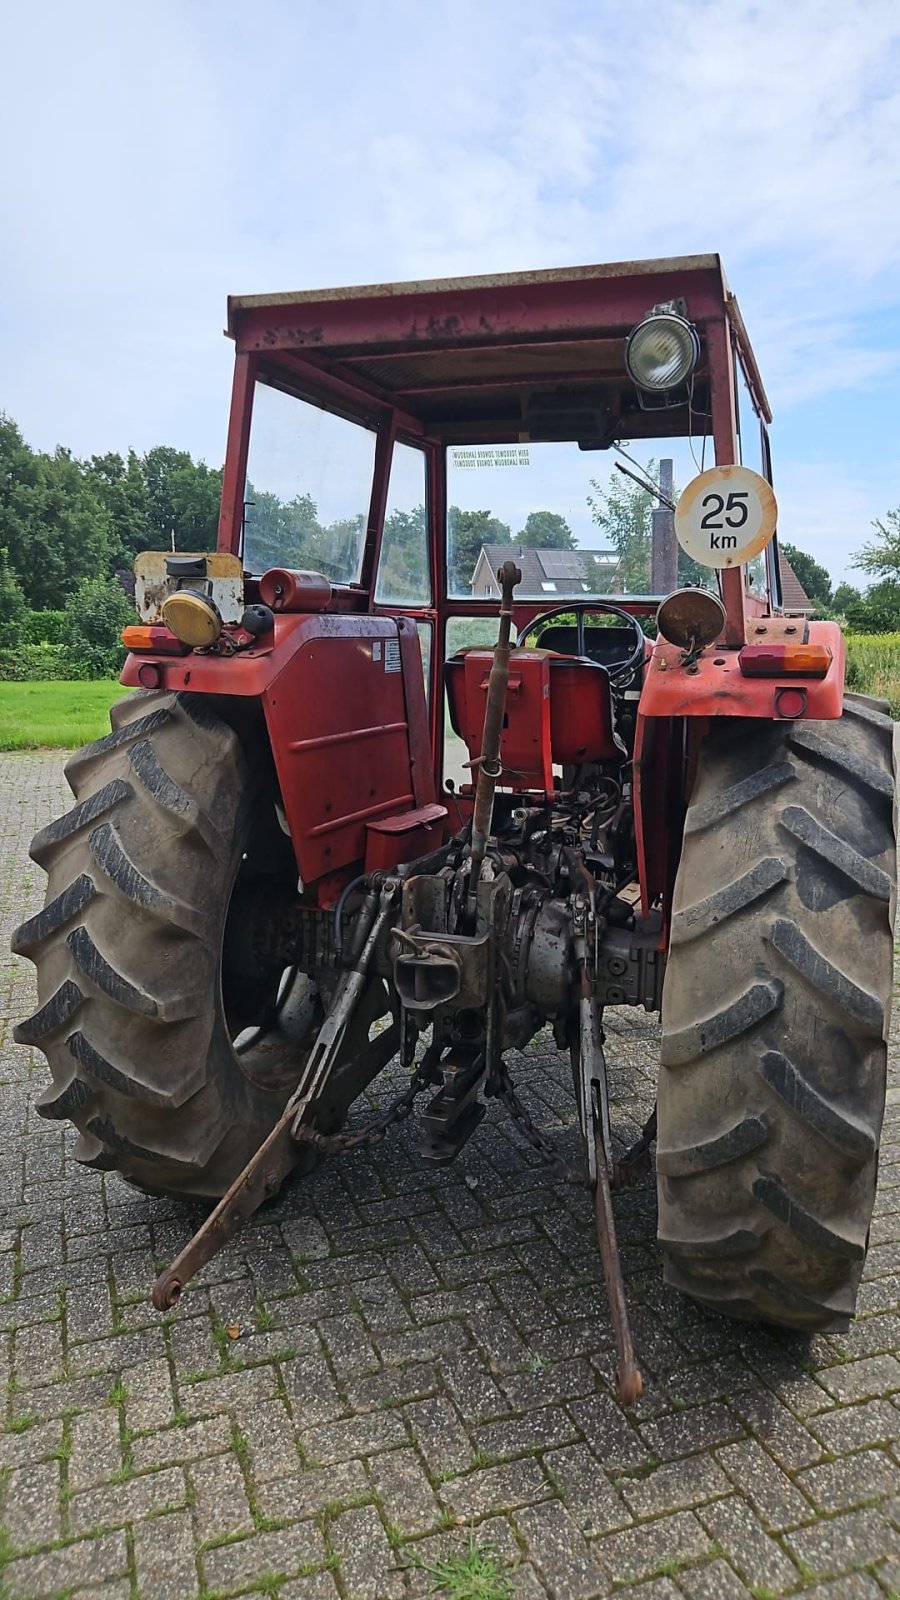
[160,641]
[785,660]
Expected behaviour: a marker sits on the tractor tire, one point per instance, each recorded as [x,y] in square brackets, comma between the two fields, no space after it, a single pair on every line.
[140,1003]
[775,1014]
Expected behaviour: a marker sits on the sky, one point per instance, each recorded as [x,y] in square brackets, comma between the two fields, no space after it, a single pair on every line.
[159,157]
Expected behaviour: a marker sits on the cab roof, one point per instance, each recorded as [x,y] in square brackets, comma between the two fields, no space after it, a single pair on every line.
[496,356]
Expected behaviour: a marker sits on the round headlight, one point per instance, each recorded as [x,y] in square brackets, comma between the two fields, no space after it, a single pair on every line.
[192,617]
[661,352]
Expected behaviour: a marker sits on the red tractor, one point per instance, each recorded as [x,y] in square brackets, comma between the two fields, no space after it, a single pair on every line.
[269,886]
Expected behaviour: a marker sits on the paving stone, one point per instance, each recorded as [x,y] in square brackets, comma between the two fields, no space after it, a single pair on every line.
[586,1490]
[848,1428]
[32,1444]
[757,1554]
[518,1483]
[150,1401]
[87,1561]
[852,1586]
[711,1580]
[542,1429]
[638,1552]
[392,1386]
[840,1485]
[774,1497]
[305,1238]
[313,1586]
[475,1392]
[312,1389]
[440,1436]
[608,1431]
[366,1558]
[560,1552]
[271,1440]
[839,1544]
[264,1554]
[96,1447]
[222,1506]
[312,1489]
[350,1351]
[175,1446]
[31,1502]
[118,1503]
[675,1487]
[862,1380]
[683,1432]
[399,1480]
[357,1436]
[164,1557]
[223,1394]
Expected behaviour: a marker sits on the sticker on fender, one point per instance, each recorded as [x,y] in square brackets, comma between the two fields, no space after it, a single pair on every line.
[726,516]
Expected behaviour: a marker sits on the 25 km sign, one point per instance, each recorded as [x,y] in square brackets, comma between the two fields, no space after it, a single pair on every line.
[726,516]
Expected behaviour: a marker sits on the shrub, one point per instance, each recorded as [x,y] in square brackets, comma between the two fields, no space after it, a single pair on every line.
[94,618]
[44,627]
[33,663]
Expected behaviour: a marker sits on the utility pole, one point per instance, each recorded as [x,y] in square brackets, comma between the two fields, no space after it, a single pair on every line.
[663,543]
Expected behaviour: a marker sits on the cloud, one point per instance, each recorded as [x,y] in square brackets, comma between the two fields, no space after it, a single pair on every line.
[827,510]
[164,159]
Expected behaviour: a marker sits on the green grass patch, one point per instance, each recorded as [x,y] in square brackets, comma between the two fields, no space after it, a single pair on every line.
[873,666]
[55,716]
[474,1574]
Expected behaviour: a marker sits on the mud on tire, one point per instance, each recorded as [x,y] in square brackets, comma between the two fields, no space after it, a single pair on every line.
[128,950]
[775,1013]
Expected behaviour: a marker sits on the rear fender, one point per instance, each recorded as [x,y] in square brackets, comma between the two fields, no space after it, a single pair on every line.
[343,699]
[677,704]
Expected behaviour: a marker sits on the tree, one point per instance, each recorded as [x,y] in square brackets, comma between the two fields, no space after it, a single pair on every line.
[467,531]
[280,533]
[622,510]
[403,568]
[882,556]
[53,522]
[183,496]
[876,611]
[815,579]
[546,530]
[122,485]
[12,606]
[845,595]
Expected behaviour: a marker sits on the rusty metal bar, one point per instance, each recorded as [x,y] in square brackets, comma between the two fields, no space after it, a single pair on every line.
[489,760]
[629,1383]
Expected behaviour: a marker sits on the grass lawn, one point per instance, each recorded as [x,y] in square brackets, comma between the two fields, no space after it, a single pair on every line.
[61,716]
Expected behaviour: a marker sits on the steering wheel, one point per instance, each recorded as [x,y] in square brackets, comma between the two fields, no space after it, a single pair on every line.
[586,608]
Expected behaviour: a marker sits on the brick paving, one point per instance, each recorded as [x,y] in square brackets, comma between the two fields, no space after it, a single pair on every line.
[422,1357]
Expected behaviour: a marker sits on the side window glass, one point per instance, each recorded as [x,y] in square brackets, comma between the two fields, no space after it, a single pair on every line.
[309,482]
[403,576]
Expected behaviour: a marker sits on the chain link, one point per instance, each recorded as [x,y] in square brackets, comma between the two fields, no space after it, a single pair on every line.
[337,1144]
[506,1094]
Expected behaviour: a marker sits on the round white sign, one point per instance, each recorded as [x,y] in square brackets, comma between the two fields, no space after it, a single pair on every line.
[726,516]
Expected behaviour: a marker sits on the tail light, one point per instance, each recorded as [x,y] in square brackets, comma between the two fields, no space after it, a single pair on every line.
[140,637]
[785,660]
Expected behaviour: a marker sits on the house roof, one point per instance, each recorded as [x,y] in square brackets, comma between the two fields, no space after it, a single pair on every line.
[548,572]
[793,595]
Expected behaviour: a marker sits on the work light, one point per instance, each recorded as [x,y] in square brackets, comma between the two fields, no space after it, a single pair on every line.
[193,618]
[661,352]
